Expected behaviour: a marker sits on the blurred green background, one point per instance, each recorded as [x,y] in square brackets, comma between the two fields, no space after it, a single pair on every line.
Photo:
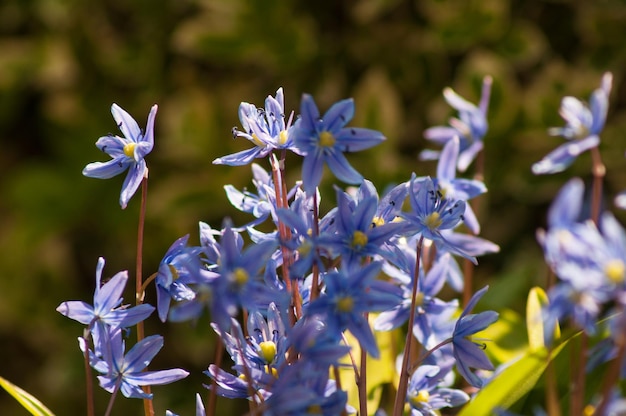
[63,62]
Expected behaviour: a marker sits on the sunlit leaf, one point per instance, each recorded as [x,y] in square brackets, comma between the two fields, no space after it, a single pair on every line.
[30,403]
[512,383]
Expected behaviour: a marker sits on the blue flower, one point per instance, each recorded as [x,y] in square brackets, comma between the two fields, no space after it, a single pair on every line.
[106,310]
[349,293]
[356,235]
[583,126]
[265,128]
[176,272]
[324,140]
[127,152]
[470,127]
[431,213]
[426,396]
[467,352]
[125,372]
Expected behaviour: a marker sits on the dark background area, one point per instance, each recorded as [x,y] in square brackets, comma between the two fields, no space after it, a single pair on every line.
[64,62]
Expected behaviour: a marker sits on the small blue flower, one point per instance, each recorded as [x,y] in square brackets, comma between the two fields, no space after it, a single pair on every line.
[356,235]
[431,213]
[349,293]
[106,310]
[125,372]
[324,140]
[470,127]
[467,352]
[265,128]
[127,152]
[583,126]
[176,272]
[425,395]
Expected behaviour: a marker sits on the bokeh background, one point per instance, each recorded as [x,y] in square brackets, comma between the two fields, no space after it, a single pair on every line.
[63,62]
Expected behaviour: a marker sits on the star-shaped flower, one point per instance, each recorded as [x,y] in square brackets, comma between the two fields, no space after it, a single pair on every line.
[127,152]
[325,139]
[583,126]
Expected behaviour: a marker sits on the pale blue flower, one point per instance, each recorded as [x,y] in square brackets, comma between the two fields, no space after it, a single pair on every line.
[583,126]
[127,152]
[470,127]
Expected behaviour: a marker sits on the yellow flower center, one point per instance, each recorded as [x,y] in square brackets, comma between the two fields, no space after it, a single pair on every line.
[359,239]
[174,272]
[282,137]
[433,220]
[327,139]
[377,222]
[272,371]
[304,249]
[422,396]
[267,350]
[314,409]
[615,270]
[419,299]
[345,304]
[257,141]
[240,276]
[589,410]
[129,149]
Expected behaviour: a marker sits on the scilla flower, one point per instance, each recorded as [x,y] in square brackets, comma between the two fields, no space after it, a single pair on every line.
[127,152]
[583,126]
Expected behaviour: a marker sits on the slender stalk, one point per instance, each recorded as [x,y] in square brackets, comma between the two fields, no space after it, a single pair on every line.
[139,290]
[315,289]
[427,354]
[212,402]
[404,374]
[613,373]
[112,399]
[88,377]
[362,381]
[578,388]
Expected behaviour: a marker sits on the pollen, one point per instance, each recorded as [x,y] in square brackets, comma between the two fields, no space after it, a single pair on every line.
[327,139]
[129,149]
[282,137]
[257,141]
[377,222]
[359,239]
[615,270]
[267,350]
[433,220]
[422,396]
[240,276]
[173,271]
[419,299]
[345,304]
[314,409]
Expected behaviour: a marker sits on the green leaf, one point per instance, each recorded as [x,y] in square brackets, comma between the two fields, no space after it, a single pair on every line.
[537,300]
[30,403]
[512,383]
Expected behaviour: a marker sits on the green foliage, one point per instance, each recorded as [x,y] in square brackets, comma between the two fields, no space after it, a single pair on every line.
[30,403]
[64,62]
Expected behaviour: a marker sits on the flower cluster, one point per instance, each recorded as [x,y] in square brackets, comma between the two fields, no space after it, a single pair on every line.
[285,290]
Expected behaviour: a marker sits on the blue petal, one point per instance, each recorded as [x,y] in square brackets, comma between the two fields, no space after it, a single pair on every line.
[77,310]
[108,169]
[339,165]
[126,123]
[354,139]
[142,353]
[338,115]
[150,378]
[567,206]
[312,169]
[563,156]
[446,168]
[132,181]
[240,158]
